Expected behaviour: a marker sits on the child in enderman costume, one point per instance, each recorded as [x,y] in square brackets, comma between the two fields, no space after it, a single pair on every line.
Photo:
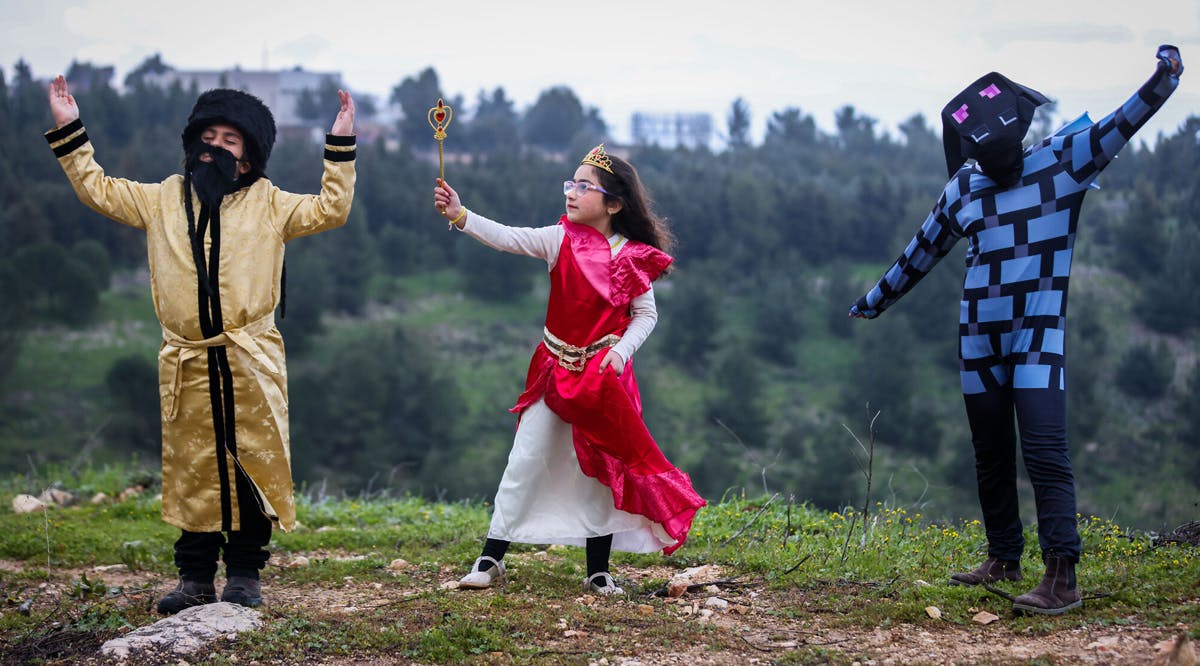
[1019,210]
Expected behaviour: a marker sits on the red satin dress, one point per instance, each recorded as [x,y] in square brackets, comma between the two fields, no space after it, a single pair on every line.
[590,295]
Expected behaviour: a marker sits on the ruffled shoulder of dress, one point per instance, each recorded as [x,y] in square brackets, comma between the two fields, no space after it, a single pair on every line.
[634,268]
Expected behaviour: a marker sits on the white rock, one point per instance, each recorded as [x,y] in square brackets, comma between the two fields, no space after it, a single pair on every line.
[56,496]
[716,602]
[186,632]
[27,504]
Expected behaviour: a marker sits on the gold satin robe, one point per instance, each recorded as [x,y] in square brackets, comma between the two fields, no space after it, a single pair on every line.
[255,223]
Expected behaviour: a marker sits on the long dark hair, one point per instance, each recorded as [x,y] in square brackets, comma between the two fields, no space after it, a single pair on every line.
[636,219]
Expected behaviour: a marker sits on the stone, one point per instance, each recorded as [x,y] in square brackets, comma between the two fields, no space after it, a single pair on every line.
[185,632]
[27,504]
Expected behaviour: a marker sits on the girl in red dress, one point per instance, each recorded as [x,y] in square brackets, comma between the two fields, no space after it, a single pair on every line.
[584,469]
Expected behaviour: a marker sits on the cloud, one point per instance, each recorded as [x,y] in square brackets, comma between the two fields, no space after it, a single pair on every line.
[303,47]
[1156,37]
[1065,33]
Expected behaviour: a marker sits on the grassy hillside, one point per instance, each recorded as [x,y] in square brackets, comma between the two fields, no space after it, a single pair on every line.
[61,406]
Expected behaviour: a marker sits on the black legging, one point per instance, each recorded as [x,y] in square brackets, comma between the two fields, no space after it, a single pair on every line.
[1041,416]
[598,550]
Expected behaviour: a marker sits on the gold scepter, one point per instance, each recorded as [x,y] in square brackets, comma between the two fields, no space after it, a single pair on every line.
[439,119]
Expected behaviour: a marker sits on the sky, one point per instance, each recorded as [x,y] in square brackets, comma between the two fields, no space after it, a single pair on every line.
[889,60]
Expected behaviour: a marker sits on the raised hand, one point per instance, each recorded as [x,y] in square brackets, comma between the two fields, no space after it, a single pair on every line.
[62,102]
[1170,57]
[343,125]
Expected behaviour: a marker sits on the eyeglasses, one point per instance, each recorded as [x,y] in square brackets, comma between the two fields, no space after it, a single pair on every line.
[581,188]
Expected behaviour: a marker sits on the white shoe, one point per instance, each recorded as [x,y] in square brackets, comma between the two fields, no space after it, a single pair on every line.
[608,589]
[480,579]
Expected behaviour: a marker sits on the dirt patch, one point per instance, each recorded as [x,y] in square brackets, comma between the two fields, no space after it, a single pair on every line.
[748,624]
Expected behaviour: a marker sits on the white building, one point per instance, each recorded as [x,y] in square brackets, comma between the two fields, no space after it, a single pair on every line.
[672,130]
[279,90]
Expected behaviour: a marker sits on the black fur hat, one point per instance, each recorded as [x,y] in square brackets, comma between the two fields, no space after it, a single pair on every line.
[242,110]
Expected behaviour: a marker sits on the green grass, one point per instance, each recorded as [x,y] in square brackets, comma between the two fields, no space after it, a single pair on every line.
[802,563]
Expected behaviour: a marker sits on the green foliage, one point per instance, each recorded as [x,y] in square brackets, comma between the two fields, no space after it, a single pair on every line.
[1146,371]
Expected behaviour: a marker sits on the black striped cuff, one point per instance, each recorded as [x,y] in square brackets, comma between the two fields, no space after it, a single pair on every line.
[73,127]
[64,131]
[340,148]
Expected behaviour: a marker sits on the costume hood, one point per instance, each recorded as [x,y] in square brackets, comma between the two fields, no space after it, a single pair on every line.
[242,110]
[986,122]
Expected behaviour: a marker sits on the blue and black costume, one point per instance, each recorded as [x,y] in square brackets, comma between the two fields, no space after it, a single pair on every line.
[1019,210]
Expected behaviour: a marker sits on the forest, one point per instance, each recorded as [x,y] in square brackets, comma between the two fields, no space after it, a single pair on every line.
[407,343]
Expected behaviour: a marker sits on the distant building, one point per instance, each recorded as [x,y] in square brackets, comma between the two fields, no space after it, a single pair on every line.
[673,130]
[280,90]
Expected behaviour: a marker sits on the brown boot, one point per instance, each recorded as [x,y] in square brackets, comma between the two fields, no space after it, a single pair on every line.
[187,594]
[990,571]
[1056,594]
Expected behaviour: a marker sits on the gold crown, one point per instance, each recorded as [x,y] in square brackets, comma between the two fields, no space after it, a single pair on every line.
[598,158]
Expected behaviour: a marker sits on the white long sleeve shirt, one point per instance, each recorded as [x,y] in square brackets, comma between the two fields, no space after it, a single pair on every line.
[544,243]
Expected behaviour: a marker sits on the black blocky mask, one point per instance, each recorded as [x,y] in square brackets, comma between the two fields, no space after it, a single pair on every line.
[986,122]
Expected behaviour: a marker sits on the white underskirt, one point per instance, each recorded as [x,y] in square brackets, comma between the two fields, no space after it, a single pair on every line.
[544,498]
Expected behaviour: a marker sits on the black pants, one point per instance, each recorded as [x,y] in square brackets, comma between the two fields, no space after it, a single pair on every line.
[245,552]
[1041,416]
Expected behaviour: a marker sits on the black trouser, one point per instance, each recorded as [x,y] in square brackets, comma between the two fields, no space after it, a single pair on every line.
[245,552]
[1041,416]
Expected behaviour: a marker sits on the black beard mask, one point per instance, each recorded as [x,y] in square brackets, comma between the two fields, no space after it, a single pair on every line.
[212,180]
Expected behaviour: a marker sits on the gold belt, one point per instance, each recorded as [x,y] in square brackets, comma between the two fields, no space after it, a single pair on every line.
[575,358]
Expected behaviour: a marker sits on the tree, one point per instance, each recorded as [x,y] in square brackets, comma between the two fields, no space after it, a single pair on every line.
[1189,410]
[494,127]
[315,104]
[60,286]
[91,254]
[1170,300]
[792,128]
[554,119]
[689,319]
[132,383]
[735,405]
[1145,371]
[738,123]
[382,404]
[148,67]
[14,317]
[415,95]
[857,132]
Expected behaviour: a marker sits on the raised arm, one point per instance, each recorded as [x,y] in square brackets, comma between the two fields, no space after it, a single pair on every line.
[122,200]
[1088,152]
[540,242]
[937,236]
[306,214]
